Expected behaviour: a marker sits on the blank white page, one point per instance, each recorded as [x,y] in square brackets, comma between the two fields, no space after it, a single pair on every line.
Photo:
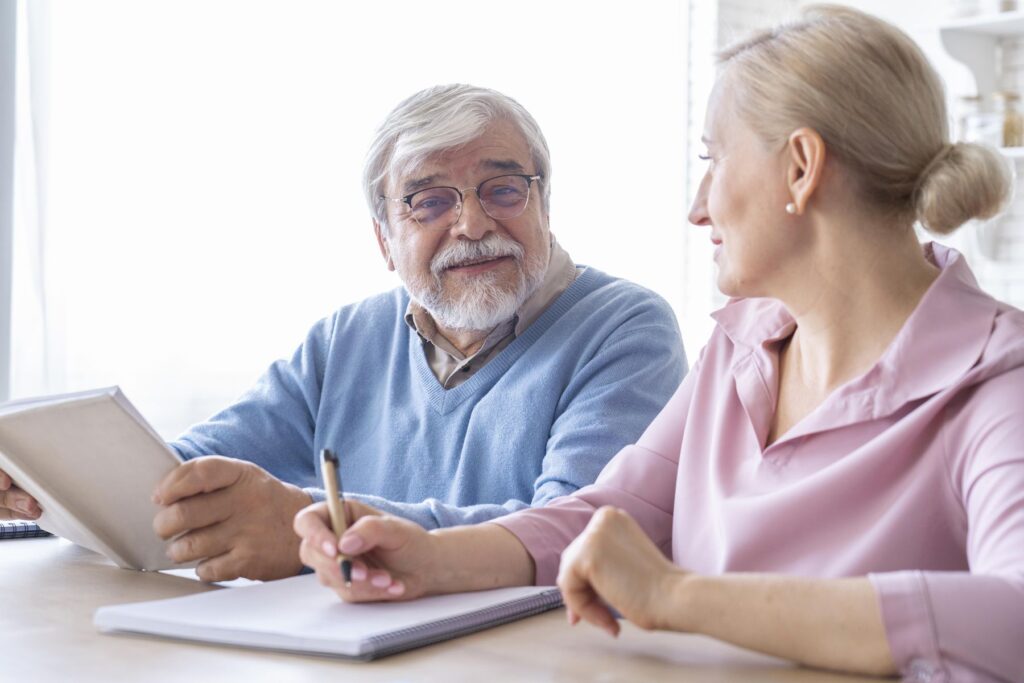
[299,614]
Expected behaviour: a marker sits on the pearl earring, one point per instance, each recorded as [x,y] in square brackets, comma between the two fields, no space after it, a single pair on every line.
[791,209]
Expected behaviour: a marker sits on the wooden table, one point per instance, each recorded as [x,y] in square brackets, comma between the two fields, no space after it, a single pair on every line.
[51,588]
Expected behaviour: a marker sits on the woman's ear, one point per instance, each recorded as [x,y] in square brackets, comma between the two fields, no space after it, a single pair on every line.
[382,242]
[806,151]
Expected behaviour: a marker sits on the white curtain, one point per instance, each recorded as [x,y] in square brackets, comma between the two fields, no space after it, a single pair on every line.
[31,343]
[8,31]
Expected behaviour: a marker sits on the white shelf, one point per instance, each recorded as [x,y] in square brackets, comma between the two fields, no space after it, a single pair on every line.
[973,40]
[1001,24]
[1012,152]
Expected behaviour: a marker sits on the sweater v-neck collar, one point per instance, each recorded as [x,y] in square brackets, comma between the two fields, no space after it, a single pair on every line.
[445,400]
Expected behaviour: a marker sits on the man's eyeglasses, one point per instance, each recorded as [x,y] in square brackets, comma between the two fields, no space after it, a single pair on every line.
[439,208]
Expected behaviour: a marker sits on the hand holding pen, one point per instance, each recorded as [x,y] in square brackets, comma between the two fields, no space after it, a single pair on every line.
[391,558]
[336,505]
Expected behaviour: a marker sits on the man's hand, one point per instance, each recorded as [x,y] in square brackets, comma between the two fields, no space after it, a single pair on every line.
[233,516]
[395,556]
[15,503]
[613,562]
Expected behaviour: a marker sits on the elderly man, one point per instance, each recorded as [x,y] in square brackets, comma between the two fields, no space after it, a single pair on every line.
[501,376]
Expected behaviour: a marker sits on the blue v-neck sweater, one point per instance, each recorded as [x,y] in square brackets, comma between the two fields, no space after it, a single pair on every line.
[538,421]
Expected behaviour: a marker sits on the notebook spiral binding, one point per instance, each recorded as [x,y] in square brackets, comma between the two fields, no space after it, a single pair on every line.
[20,529]
[456,627]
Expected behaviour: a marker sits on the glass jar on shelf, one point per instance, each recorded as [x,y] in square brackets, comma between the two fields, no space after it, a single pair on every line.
[977,123]
[968,107]
[1006,104]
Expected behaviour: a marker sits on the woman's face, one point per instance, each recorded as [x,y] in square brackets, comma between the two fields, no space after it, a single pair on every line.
[742,198]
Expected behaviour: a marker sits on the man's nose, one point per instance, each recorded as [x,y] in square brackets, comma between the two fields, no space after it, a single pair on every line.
[473,222]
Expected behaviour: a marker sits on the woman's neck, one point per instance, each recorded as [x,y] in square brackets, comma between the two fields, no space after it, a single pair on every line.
[854,295]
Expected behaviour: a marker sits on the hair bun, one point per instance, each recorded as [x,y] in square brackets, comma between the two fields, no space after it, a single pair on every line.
[961,181]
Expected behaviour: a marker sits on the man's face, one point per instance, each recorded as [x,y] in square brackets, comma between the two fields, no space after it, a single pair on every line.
[476,273]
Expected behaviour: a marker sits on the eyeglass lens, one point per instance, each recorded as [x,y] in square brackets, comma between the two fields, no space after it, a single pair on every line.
[501,197]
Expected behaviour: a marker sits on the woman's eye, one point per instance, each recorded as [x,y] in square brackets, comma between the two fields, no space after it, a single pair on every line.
[704,157]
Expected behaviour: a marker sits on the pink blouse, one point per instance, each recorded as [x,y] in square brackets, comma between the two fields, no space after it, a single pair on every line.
[912,474]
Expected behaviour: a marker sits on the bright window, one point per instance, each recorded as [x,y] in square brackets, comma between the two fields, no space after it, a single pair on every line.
[203,205]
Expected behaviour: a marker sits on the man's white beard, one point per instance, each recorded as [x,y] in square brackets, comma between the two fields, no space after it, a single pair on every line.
[487,302]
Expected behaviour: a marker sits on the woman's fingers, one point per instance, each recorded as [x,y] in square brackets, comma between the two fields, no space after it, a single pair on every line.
[581,600]
[376,533]
[367,542]
[596,613]
[312,525]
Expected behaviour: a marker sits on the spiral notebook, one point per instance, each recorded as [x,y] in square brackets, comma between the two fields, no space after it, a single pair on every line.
[300,615]
[21,529]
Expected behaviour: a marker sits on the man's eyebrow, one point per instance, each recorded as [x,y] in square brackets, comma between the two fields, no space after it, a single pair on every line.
[506,165]
[420,183]
[510,165]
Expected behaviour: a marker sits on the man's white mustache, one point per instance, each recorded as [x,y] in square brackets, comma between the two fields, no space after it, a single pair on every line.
[462,252]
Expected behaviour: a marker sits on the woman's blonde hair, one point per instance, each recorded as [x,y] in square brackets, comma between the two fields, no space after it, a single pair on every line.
[878,104]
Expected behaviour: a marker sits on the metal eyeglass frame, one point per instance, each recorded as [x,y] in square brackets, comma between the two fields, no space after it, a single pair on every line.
[407,199]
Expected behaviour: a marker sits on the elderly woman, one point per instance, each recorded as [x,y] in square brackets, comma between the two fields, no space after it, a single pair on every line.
[840,478]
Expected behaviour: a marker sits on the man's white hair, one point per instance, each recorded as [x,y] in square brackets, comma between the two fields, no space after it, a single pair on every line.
[439,119]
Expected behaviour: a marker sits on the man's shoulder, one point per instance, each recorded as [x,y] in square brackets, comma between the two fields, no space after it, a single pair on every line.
[608,295]
[628,329]
[387,308]
[367,321]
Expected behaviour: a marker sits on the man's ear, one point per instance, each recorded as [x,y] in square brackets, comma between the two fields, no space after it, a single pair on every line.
[806,152]
[382,242]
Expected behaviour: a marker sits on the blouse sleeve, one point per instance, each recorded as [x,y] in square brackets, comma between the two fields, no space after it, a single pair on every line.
[969,626]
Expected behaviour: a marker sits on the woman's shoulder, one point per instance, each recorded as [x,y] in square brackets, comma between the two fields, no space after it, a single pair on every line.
[996,382]
[1007,330]
[984,421]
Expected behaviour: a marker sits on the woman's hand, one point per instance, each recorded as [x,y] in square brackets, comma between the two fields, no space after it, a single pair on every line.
[828,623]
[614,563]
[391,557]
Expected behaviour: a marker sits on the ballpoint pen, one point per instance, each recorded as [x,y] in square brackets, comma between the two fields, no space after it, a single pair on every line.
[336,505]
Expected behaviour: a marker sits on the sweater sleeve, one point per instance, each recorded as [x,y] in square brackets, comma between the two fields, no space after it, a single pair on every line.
[969,626]
[640,479]
[608,403]
[272,424]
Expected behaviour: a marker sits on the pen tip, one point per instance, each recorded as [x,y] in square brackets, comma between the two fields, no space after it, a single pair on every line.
[346,572]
